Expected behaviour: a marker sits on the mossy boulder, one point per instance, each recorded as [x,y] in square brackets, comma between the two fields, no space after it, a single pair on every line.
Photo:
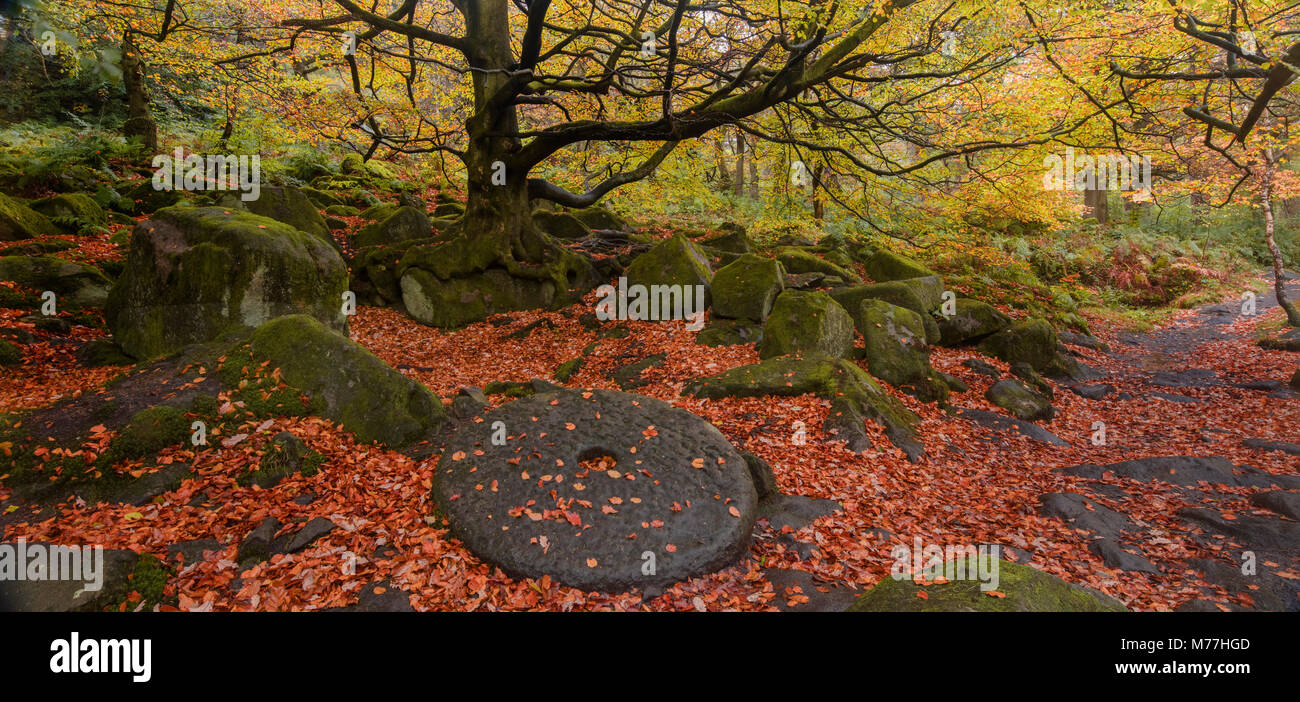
[354,387]
[972,321]
[144,198]
[404,224]
[855,397]
[193,275]
[453,210]
[321,198]
[733,239]
[561,225]
[884,266]
[903,293]
[380,212]
[1023,589]
[896,351]
[458,281]
[73,284]
[1032,341]
[18,221]
[148,432]
[729,332]
[72,207]
[341,211]
[1022,401]
[10,355]
[807,321]
[102,352]
[747,288]
[597,217]
[799,260]
[455,302]
[285,203]
[676,261]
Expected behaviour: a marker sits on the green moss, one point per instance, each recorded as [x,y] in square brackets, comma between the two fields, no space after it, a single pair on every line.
[559,225]
[18,221]
[509,388]
[676,261]
[77,207]
[357,389]
[149,579]
[148,432]
[800,260]
[193,275]
[884,266]
[312,464]
[568,369]
[1025,590]
[747,288]
[10,355]
[75,285]
[1032,341]
[806,321]
[903,293]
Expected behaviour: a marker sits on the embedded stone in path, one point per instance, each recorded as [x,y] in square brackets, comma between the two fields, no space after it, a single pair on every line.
[601,490]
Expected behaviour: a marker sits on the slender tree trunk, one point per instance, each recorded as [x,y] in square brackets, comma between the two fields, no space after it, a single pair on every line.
[1266,204]
[740,164]
[1095,201]
[753,174]
[139,120]
[819,207]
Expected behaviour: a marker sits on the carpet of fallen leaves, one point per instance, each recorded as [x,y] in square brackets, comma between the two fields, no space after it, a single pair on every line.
[973,486]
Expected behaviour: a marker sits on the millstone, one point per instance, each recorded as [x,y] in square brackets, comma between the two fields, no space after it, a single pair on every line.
[679,497]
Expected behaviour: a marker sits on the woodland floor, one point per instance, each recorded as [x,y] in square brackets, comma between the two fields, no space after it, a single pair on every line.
[974,486]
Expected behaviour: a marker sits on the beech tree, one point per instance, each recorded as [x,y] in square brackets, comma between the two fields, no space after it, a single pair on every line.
[874,87]
[1237,57]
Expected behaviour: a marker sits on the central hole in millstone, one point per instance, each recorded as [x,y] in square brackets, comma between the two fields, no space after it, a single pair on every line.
[597,459]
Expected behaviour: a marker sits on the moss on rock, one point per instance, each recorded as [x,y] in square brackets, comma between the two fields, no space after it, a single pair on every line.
[807,321]
[148,432]
[354,387]
[193,275]
[747,288]
[74,284]
[290,205]
[403,224]
[18,221]
[1025,589]
[800,260]
[855,396]
[561,225]
[72,206]
[896,351]
[1020,400]
[884,266]
[10,354]
[971,321]
[1032,341]
[676,261]
[902,293]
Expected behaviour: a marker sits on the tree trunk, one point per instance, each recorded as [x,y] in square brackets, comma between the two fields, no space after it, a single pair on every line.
[498,228]
[139,122]
[753,174]
[819,207]
[1266,203]
[1095,201]
[740,164]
